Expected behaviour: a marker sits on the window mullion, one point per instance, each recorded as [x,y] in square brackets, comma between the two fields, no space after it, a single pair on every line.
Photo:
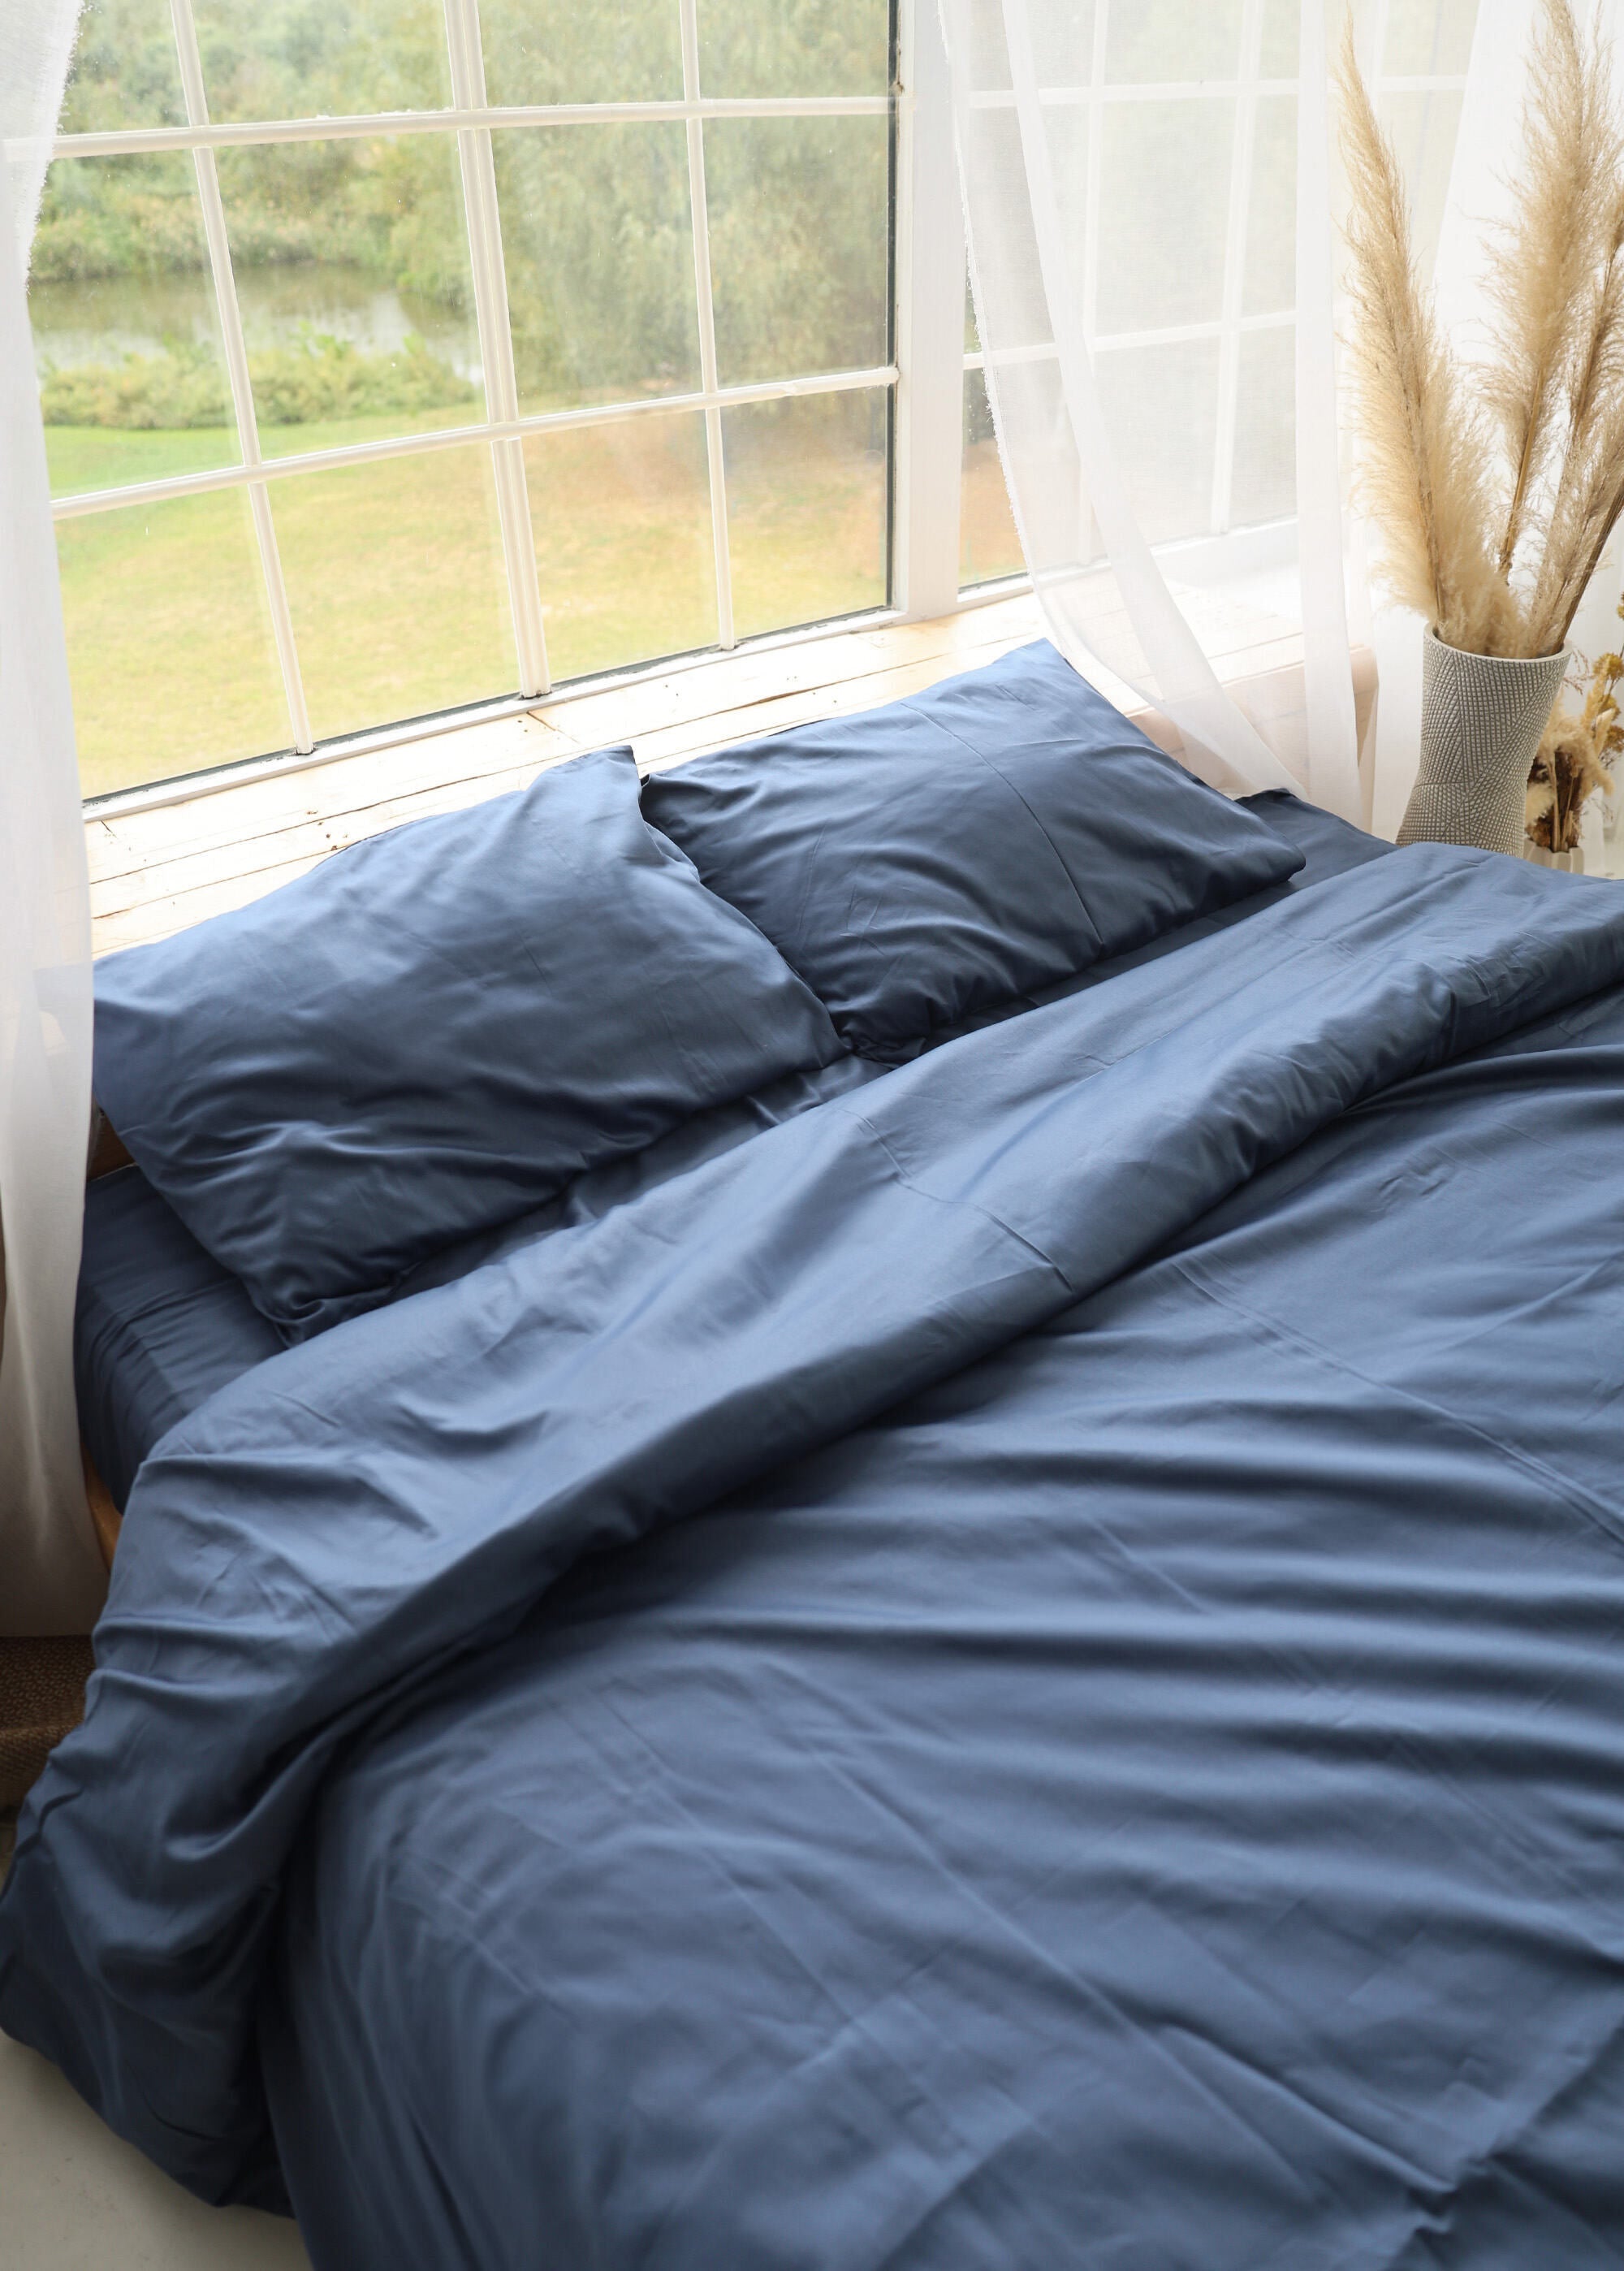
[235,349]
[930,326]
[700,215]
[1234,264]
[137,141]
[81,502]
[491,314]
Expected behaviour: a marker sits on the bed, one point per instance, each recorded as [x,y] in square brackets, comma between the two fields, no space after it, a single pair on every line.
[1004,1649]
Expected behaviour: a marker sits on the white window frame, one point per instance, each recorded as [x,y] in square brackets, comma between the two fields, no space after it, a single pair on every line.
[1207,556]
[471,118]
[927,371]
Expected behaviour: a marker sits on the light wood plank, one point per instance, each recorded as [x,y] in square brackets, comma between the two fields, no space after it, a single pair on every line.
[127,841]
[656,751]
[160,878]
[137,924]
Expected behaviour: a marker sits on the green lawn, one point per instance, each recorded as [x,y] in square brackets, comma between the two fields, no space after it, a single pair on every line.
[394,572]
[988,543]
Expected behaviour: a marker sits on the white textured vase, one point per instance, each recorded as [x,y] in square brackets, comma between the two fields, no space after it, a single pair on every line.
[1481,719]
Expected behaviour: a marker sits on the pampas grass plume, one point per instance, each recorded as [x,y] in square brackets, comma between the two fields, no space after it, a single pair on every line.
[1494,492]
[1420,472]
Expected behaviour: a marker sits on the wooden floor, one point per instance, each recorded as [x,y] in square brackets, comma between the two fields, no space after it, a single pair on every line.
[157,868]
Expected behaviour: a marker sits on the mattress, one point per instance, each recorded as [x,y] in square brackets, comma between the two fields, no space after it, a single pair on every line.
[160,1326]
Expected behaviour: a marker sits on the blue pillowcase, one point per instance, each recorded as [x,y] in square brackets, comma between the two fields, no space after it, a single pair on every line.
[434,1030]
[985,839]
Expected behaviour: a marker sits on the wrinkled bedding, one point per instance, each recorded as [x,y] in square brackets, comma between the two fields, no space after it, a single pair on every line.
[1025,1669]
[160,1325]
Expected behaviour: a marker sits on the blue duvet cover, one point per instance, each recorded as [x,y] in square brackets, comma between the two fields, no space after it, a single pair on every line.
[1025,1670]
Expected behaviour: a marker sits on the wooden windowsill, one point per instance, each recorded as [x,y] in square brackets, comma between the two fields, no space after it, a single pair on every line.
[156,870]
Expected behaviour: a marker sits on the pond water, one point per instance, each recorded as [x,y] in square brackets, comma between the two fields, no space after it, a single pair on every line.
[103,320]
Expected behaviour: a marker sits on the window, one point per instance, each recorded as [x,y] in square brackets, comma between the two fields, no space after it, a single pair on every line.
[403,354]
[1183,116]
[399,355]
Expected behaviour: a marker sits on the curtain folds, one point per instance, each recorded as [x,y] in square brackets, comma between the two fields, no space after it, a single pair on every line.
[1016,182]
[1151,190]
[1330,750]
[36,46]
[50,1572]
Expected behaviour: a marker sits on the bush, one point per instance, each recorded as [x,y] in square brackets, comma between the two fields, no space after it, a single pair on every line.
[182,387]
[323,377]
[317,377]
[595,219]
[93,226]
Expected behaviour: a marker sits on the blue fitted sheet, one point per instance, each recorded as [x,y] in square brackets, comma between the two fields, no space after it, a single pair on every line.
[1028,1668]
[161,1326]
[158,1328]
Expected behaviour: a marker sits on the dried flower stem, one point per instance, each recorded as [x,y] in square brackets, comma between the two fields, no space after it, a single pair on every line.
[1541,264]
[1494,507]
[1421,477]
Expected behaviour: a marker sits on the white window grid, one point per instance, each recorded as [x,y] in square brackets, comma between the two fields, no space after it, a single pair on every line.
[1245,90]
[471,119]
[926,373]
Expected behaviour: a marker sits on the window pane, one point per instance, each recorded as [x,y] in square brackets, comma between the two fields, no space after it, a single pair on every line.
[806,508]
[1166,454]
[1271,284]
[1266,464]
[798,244]
[1424,127]
[1062,45]
[1282,35]
[1428,38]
[623,547]
[988,543]
[841,48]
[1011,286]
[352,266]
[126,340]
[321,60]
[600,263]
[560,51]
[1017,279]
[124,71]
[395,578]
[986,50]
[1165,210]
[168,640]
[1174,41]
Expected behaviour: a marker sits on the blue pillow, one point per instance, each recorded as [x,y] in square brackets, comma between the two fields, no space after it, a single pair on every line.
[434,1030]
[988,838]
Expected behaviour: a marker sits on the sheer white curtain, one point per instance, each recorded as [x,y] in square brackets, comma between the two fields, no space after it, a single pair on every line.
[50,1572]
[1150,190]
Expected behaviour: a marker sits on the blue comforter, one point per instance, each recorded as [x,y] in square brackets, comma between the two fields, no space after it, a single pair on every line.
[1027,1670]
